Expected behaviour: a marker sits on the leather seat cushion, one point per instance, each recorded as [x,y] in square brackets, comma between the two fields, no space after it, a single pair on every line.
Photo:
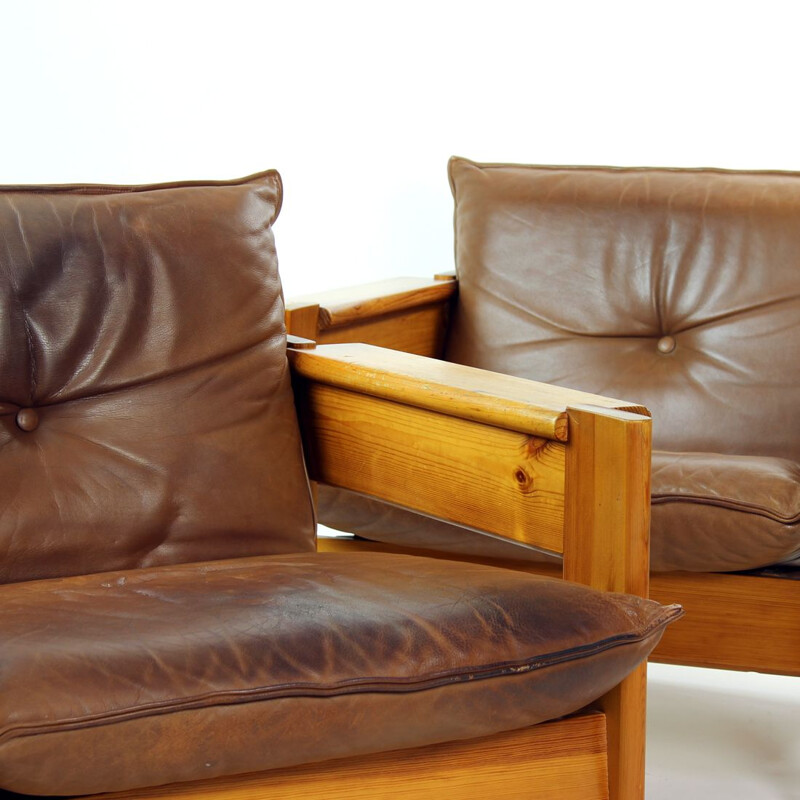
[711,512]
[146,411]
[151,676]
[718,512]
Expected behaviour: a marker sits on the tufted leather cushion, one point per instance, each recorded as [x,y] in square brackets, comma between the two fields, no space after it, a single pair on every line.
[126,683]
[146,414]
[677,288]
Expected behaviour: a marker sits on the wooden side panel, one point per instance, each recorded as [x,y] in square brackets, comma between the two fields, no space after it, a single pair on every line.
[347,304]
[564,759]
[732,622]
[507,483]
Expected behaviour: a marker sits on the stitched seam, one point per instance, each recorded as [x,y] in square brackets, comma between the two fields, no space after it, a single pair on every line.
[104,189]
[736,506]
[353,686]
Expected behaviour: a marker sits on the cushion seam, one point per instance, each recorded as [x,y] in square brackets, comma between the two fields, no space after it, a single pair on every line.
[726,503]
[351,686]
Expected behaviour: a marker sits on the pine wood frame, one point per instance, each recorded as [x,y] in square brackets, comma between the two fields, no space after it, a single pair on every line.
[738,622]
[564,759]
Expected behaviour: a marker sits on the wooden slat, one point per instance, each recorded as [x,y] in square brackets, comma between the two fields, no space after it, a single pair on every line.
[303,320]
[606,545]
[500,481]
[564,759]
[466,392]
[739,622]
[346,306]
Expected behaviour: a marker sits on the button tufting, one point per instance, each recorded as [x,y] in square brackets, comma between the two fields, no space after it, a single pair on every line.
[27,419]
[666,344]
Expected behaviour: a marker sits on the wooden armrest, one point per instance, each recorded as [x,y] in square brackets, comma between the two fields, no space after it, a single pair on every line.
[464,392]
[343,306]
[404,313]
[558,470]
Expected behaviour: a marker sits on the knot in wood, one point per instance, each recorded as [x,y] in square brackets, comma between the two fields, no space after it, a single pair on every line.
[524,481]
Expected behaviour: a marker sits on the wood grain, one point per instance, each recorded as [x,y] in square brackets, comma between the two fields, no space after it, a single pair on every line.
[487,397]
[303,320]
[742,622]
[564,759]
[607,522]
[345,306]
[418,330]
[606,545]
[504,482]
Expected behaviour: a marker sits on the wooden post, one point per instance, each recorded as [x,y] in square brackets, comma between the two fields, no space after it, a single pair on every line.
[606,546]
[303,320]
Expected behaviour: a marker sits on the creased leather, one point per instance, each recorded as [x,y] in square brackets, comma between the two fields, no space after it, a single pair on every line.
[572,275]
[303,652]
[368,518]
[724,511]
[144,325]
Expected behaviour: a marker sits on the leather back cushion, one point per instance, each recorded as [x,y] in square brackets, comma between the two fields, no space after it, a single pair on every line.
[677,288]
[146,414]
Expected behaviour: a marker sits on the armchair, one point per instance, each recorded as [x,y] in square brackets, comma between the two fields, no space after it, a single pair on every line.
[165,620]
[677,287]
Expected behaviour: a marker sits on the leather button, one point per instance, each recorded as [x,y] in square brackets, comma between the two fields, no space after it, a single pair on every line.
[27,419]
[666,344]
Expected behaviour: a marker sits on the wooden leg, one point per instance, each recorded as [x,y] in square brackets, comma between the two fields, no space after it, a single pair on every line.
[606,545]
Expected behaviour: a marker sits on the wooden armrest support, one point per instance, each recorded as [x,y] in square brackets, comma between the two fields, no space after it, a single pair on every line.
[486,451]
[339,307]
[407,314]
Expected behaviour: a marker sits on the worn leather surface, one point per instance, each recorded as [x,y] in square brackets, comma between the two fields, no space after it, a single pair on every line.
[181,672]
[731,511]
[146,414]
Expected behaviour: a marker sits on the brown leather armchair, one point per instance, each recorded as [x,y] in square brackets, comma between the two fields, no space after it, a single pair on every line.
[679,288]
[164,617]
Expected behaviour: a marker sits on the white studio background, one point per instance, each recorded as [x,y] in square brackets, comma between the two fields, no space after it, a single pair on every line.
[359,104]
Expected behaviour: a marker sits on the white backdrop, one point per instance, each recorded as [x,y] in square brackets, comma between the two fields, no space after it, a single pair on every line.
[359,104]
